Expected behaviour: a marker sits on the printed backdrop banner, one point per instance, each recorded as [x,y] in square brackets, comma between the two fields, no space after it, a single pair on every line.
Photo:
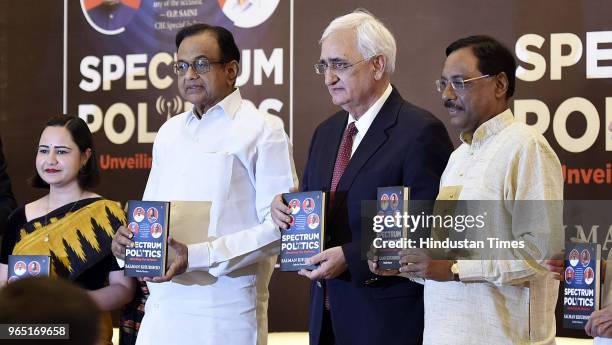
[120,79]
[110,64]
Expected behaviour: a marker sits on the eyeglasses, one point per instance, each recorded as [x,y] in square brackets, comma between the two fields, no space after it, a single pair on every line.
[200,65]
[458,83]
[337,67]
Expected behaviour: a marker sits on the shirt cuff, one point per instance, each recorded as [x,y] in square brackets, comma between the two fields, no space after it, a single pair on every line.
[120,262]
[470,270]
[198,257]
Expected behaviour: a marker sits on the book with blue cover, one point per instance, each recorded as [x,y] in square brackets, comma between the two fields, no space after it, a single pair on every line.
[148,221]
[305,236]
[581,283]
[391,202]
[23,266]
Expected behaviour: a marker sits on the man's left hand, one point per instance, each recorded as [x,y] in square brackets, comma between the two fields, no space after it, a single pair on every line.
[419,263]
[178,266]
[331,264]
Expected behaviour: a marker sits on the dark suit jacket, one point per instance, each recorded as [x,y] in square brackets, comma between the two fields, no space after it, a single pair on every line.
[405,145]
[7,200]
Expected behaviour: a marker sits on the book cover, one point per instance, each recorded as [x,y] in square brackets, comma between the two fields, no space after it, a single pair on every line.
[581,283]
[148,221]
[23,266]
[305,236]
[392,201]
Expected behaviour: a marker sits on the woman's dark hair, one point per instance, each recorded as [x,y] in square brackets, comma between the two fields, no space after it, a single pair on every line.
[493,57]
[89,175]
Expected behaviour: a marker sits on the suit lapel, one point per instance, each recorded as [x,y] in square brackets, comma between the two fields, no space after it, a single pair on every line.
[333,135]
[373,140]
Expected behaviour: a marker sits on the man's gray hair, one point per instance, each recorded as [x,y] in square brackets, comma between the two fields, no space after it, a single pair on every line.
[373,37]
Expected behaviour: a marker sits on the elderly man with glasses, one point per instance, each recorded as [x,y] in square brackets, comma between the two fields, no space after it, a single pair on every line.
[377,140]
[499,295]
[226,151]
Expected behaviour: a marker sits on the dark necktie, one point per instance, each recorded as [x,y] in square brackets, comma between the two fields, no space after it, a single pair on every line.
[342,159]
[344,154]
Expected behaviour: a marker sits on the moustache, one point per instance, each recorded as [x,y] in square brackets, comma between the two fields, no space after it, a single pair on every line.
[451,105]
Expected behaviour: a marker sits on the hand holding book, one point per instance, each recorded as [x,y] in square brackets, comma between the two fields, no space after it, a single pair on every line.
[600,323]
[178,266]
[556,265]
[280,211]
[419,263]
[121,241]
[331,262]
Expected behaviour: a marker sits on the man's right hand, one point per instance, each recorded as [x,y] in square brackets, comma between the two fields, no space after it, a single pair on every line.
[122,240]
[280,211]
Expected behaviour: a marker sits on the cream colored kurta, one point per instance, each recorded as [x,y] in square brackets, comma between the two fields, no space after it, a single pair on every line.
[500,301]
[239,159]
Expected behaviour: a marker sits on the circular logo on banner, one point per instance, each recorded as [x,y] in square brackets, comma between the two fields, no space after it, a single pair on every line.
[13,278]
[19,268]
[156,230]
[34,268]
[109,17]
[585,257]
[569,275]
[248,13]
[294,204]
[309,205]
[574,257]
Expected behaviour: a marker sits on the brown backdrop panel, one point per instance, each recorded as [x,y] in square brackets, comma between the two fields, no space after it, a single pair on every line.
[31,85]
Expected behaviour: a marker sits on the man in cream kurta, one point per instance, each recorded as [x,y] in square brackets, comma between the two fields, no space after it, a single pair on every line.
[225,151]
[499,301]
[498,298]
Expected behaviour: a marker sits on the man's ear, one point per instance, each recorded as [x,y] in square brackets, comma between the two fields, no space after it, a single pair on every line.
[501,85]
[379,63]
[232,68]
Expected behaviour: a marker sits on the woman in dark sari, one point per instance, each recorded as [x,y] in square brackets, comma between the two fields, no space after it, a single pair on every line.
[71,224]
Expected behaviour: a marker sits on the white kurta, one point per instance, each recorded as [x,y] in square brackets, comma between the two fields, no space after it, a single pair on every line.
[501,301]
[238,158]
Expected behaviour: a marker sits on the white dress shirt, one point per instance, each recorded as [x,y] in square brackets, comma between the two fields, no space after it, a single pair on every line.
[364,122]
[238,158]
[500,301]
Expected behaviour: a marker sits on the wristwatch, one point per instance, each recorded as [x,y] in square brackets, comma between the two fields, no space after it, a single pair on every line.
[455,270]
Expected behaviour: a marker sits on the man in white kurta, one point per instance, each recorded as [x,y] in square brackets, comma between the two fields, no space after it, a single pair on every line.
[236,158]
[501,296]
[226,151]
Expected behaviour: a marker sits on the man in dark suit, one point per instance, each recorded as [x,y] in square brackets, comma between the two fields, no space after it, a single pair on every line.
[7,200]
[378,140]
